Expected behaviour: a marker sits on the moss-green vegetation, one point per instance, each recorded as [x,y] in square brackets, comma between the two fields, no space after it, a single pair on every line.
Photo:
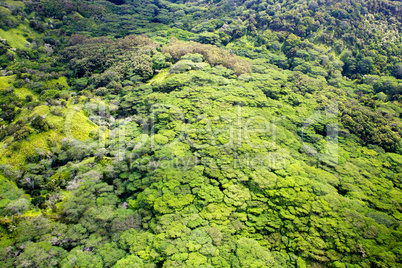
[60,83]
[5,82]
[16,154]
[15,3]
[158,78]
[81,127]
[200,134]
[15,37]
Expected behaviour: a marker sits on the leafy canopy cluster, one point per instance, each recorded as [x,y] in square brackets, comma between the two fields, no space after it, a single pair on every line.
[200,134]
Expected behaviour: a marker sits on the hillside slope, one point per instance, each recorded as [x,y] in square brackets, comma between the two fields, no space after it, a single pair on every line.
[200,133]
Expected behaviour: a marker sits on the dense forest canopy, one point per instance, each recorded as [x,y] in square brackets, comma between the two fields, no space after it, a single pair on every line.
[203,133]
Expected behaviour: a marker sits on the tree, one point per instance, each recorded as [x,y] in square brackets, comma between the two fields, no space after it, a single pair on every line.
[251,254]
[139,243]
[130,261]
[397,70]
[110,254]
[292,41]
[208,38]
[40,123]
[82,257]
[33,229]
[41,254]
[18,206]
[349,61]
[4,46]
[365,65]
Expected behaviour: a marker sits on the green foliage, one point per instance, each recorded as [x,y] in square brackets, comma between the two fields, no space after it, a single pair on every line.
[82,258]
[6,19]
[251,254]
[41,254]
[130,261]
[18,206]
[211,194]
[200,134]
[186,65]
[213,55]
[40,124]
[397,70]
[169,203]
[110,254]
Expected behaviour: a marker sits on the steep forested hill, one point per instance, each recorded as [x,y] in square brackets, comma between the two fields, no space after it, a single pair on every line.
[219,133]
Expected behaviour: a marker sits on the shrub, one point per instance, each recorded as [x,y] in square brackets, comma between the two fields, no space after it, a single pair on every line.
[40,123]
[3,46]
[22,134]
